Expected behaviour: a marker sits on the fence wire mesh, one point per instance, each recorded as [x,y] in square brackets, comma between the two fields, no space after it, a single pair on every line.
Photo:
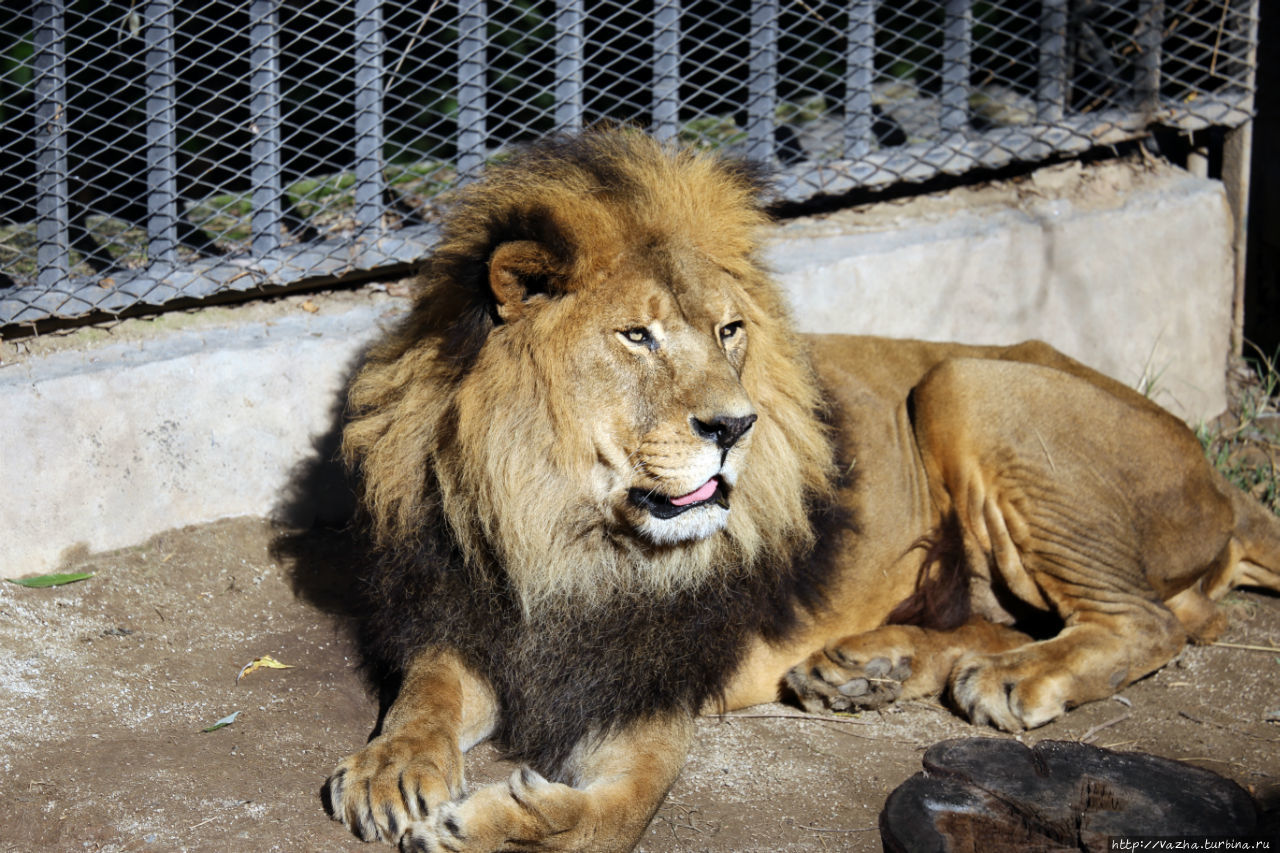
[159,150]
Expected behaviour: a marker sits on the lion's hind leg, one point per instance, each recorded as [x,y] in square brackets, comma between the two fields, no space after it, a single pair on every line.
[1031,685]
[1250,558]
[1080,563]
[1095,505]
[1254,555]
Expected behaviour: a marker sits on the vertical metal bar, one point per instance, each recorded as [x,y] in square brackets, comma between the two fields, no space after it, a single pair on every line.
[162,159]
[860,53]
[1051,89]
[264,109]
[1237,167]
[957,47]
[1242,47]
[370,188]
[1237,158]
[666,69]
[762,78]
[1150,38]
[471,86]
[49,64]
[568,27]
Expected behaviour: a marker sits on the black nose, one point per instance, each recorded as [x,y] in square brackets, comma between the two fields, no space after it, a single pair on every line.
[724,431]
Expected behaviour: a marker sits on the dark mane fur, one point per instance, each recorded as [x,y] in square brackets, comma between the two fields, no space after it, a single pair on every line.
[562,678]
[941,597]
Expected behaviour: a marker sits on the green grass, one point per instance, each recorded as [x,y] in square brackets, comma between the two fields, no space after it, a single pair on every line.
[1245,443]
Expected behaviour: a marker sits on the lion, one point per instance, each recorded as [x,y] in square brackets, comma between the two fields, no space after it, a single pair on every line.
[611,488]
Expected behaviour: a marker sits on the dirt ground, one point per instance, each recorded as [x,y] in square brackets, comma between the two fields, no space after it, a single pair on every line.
[106,684]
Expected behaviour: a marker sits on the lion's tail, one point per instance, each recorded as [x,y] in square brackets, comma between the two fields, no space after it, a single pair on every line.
[1255,544]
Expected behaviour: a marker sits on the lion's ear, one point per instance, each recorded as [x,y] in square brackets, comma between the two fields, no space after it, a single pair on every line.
[517,271]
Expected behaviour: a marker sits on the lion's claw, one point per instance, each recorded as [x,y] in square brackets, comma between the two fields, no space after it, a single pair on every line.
[1008,692]
[390,785]
[544,815]
[422,838]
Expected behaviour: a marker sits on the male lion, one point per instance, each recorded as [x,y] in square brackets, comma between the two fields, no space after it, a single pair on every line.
[612,488]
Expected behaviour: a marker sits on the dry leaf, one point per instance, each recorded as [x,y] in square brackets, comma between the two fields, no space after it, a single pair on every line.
[266,661]
[310,307]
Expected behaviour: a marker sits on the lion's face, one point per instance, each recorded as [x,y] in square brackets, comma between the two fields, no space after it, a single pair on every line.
[648,356]
[663,347]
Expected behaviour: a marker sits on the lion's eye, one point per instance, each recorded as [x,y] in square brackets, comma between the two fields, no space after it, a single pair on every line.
[729,330]
[638,335]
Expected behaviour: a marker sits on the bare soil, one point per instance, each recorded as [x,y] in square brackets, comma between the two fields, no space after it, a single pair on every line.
[106,684]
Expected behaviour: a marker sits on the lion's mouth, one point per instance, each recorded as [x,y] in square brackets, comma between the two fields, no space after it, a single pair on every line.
[714,491]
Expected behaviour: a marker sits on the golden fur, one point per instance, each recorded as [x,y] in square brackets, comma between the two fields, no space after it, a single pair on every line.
[609,490]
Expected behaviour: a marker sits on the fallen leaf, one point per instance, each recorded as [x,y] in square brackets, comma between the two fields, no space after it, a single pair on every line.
[266,661]
[223,723]
[44,581]
[310,307]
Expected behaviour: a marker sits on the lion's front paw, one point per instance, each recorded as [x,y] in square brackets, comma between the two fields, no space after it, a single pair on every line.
[394,781]
[1009,691]
[443,833]
[841,679]
[526,810]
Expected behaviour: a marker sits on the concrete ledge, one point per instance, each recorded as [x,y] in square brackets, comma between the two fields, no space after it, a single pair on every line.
[188,419]
[113,435]
[1126,267]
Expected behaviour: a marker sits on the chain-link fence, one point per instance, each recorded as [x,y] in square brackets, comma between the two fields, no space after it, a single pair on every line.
[156,150]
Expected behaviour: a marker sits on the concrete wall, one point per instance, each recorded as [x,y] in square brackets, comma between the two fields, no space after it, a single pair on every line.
[110,435]
[1127,268]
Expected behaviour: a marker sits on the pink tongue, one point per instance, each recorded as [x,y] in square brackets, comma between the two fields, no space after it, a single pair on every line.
[703,492]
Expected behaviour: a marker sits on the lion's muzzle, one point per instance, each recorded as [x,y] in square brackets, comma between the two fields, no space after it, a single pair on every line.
[713,492]
[724,431]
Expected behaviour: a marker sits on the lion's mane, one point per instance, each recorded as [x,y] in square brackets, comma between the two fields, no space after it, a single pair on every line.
[474,479]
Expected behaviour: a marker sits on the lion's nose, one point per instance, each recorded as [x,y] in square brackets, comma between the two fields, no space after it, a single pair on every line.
[724,431]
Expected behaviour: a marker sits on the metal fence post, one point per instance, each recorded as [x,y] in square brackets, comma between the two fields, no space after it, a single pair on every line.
[471,88]
[1237,161]
[860,56]
[1150,38]
[162,167]
[762,79]
[957,46]
[49,63]
[370,182]
[666,69]
[568,38]
[264,109]
[1051,88]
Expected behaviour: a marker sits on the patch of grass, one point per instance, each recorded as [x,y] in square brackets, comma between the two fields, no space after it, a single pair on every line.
[712,132]
[1244,444]
[722,131]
